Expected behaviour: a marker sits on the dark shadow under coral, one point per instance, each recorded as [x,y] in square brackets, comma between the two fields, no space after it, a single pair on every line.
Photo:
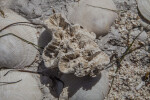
[75,83]
[44,39]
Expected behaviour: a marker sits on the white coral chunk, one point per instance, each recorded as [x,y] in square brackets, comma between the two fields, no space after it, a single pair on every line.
[73,49]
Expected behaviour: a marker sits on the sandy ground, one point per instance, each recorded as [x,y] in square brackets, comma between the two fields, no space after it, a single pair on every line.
[121,34]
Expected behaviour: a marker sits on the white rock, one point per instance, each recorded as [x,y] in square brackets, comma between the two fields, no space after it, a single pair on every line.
[94,19]
[27,89]
[144,8]
[14,52]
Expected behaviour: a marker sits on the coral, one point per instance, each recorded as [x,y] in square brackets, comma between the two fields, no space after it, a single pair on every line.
[72,49]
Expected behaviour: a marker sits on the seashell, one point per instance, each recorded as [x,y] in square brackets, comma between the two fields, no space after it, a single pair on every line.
[72,49]
[144,8]
[85,88]
[94,19]
[27,89]
[15,53]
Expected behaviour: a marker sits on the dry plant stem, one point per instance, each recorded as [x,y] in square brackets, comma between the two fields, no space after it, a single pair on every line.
[28,42]
[113,62]
[23,23]
[116,11]
[41,73]
[24,71]
[119,60]
[5,83]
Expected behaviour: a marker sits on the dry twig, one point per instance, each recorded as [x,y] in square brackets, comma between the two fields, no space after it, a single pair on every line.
[120,59]
[5,83]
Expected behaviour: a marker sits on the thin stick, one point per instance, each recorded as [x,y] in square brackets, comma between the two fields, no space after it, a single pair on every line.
[23,23]
[18,23]
[19,38]
[24,71]
[41,73]
[11,82]
[116,11]
[4,83]
[28,42]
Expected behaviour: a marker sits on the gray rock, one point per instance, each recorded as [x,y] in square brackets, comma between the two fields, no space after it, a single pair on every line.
[86,88]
